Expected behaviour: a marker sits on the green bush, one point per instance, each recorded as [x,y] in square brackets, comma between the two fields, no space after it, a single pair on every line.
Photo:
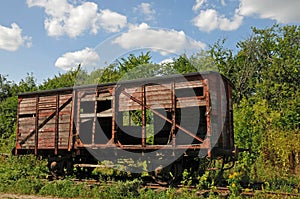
[128,189]
[62,188]
[27,185]
[22,174]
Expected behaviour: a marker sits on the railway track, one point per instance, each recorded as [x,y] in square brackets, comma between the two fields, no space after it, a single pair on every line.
[222,192]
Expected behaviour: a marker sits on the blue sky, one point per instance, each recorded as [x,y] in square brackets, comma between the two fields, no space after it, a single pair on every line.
[47,37]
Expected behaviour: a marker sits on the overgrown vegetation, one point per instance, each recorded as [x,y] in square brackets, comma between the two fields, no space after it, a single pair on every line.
[265,72]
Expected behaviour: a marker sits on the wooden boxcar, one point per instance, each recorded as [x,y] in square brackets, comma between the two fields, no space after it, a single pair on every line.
[179,115]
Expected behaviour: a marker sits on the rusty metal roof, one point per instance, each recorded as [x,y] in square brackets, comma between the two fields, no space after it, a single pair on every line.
[139,81]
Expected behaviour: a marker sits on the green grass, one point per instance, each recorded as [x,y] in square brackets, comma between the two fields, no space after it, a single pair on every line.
[27,175]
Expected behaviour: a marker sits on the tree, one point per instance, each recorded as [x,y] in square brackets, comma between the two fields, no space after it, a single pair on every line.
[8,109]
[25,85]
[242,69]
[183,65]
[270,55]
[67,79]
[5,87]
[132,67]
[202,61]
[265,73]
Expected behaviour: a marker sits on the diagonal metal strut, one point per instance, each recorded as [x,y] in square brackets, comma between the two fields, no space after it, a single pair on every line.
[161,116]
[46,120]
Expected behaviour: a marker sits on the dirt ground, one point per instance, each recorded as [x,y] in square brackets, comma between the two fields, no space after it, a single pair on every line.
[19,196]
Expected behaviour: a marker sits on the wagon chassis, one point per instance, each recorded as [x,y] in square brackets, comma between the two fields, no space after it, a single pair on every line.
[50,122]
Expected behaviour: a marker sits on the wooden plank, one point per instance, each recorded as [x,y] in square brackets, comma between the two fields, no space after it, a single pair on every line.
[46,120]
[160,106]
[88,97]
[106,113]
[104,95]
[188,84]
[27,105]
[27,108]
[27,120]
[161,88]
[158,96]
[27,102]
[190,101]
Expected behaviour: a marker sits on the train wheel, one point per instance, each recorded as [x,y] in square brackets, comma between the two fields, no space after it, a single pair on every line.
[55,169]
[170,175]
[176,172]
[60,167]
[159,176]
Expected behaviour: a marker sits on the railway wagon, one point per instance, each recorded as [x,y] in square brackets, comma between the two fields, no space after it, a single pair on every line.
[168,121]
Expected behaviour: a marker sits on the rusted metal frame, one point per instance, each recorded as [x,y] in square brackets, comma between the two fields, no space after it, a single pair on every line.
[158,147]
[95,117]
[113,109]
[208,117]
[78,97]
[56,125]
[173,98]
[36,129]
[162,116]
[71,132]
[143,116]
[46,120]
[18,130]
[149,147]
[220,115]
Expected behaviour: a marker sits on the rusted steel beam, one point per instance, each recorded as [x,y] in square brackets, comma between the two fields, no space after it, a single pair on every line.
[95,117]
[36,129]
[56,125]
[78,98]
[158,147]
[147,147]
[18,130]
[113,118]
[219,108]
[71,127]
[46,120]
[162,116]
[143,116]
[173,114]
[208,115]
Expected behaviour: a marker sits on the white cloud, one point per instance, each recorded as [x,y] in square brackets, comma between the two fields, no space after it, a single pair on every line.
[282,11]
[198,4]
[147,10]
[55,8]
[210,19]
[11,38]
[162,40]
[166,61]
[112,21]
[80,18]
[64,18]
[85,57]
[227,24]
